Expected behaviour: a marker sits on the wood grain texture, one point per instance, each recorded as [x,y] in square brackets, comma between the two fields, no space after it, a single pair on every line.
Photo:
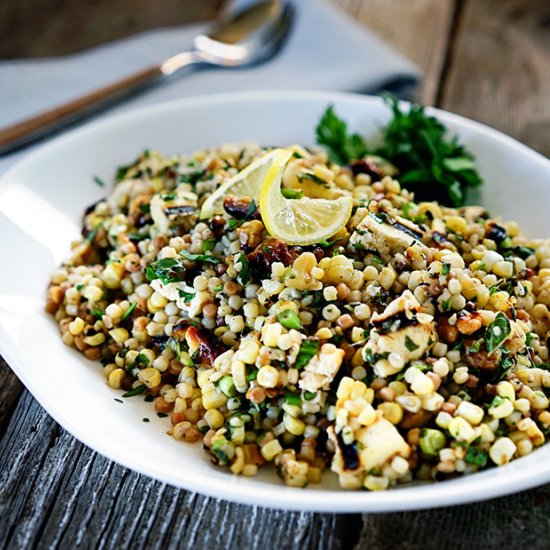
[74,25]
[55,492]
[10,391]
[418,29]
[499,71]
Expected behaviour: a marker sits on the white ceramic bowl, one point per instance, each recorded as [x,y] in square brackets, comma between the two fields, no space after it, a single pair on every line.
[41,203]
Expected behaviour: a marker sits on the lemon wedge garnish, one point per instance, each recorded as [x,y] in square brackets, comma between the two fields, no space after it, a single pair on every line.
[301,221]
[247,183]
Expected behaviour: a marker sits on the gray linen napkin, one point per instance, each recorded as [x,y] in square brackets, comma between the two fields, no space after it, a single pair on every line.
[326,50]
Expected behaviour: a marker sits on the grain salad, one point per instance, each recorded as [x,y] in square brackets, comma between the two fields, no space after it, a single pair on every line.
[410,345]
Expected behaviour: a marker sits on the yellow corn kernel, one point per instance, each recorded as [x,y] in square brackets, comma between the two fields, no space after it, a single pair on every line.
[461,430]
[456,224]
[150,377]
[367,415]
[503,410]
[76,326]
[214,419]
[487,435]
[535,435]
[115,378]
[268,376]
[271,333]
[375,483]
[293,425]
[119,335]
[271,450]
[345,387]
[392,412]
[422,384]
[213,399]
[95,340]
[505,389]
[502,451]
[503,269]
[156,302]
[112,274]
[238,464]
[324,333]
[538,400]
[238,372]
[470,412]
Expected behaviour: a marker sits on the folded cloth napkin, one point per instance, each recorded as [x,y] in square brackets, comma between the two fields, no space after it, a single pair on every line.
[325,50]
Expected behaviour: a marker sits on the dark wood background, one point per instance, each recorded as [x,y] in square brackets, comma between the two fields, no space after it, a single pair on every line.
[486,59]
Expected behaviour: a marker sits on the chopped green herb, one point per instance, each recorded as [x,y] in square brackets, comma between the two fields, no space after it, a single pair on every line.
[174,345]
[169,196]
[312,177]
[292,398]
[162,415]
[475,346]
[328,244]
[218,288]
[168,270]
[79,287]
[244,274]
[476,456]
[417,144]
[291,193]
[92,234]
[309,395]
[446,305]
[187,296]
[199,257]
[497,332]
[308,349]
[208,245]
[342,147]
[289,319]
[118,400]
[141,360]
[410,344]
[145,208]
[135,391]
[128,312]
[149,398]
[252,376]
[146,419]
[446,269]
[98,313]
[99,181]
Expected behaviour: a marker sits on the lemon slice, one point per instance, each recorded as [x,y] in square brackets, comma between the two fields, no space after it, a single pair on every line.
[302,221]
[247,183]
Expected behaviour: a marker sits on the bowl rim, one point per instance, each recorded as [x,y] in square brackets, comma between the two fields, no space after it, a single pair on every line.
[453,492]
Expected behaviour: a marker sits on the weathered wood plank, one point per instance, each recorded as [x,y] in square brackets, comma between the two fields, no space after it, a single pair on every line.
[55,492]
[521,521]
[10,390]
[419,30]
[74,25]
[499,71]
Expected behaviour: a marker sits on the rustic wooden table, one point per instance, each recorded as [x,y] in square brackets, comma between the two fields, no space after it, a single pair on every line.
[485,59]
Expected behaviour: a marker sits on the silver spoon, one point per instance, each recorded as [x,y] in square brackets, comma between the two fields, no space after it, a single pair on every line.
[248,38]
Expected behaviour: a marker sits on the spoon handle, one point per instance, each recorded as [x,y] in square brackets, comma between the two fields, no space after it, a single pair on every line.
[33,128]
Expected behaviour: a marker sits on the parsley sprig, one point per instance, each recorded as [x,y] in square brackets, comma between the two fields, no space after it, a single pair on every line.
[432,164]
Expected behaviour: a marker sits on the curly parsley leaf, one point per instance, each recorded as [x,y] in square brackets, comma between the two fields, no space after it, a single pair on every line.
[497,332]
[168,270]
[432,164]
[342,147]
